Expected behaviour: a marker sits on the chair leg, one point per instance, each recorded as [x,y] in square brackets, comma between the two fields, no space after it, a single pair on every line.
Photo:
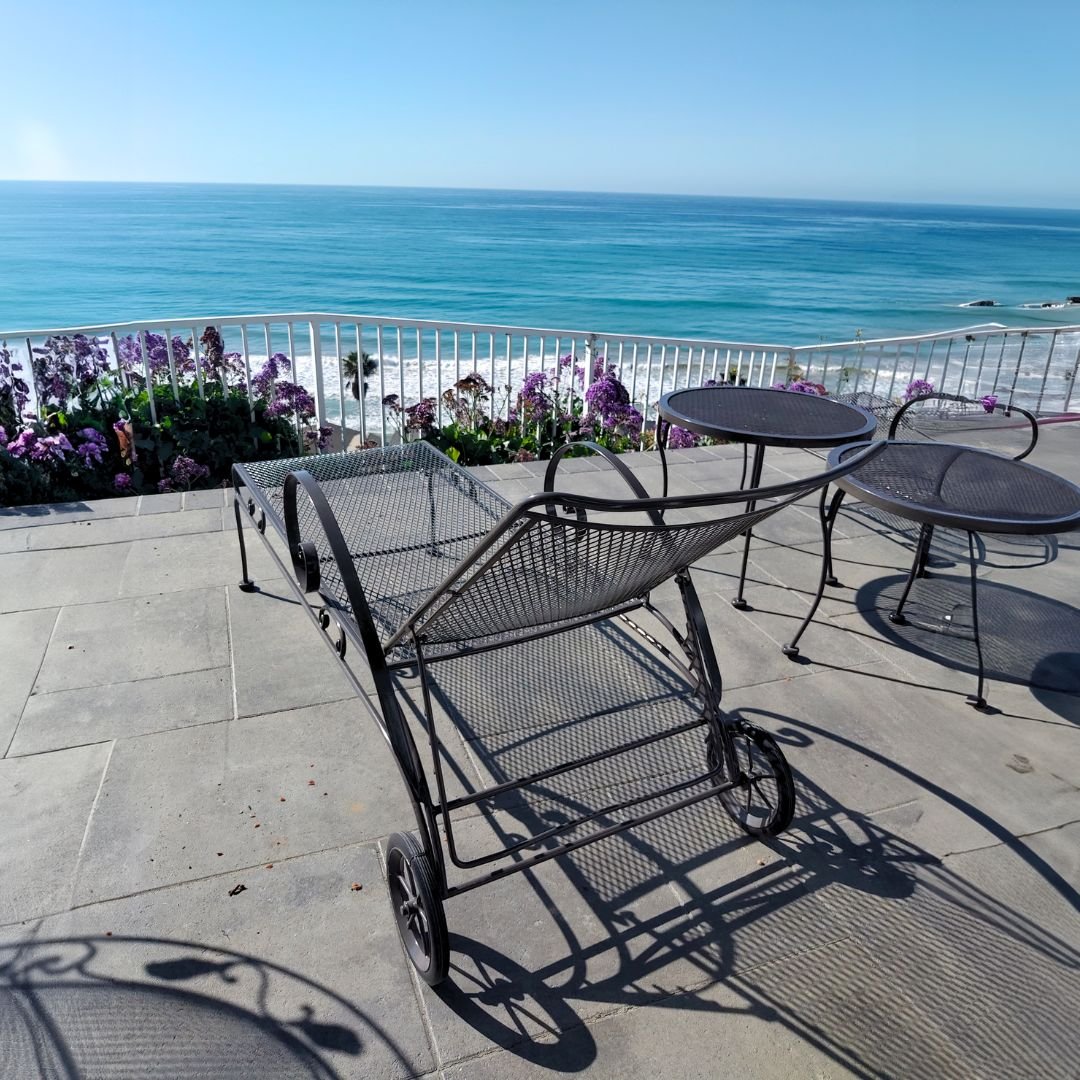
[246,584]
[919,562]
[976,700]
[828,517]
[926,537]
[755,480]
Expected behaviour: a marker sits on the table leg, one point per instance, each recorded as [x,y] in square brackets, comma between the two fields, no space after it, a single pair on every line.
[828,517]
[755,480]
[976,700]
[662,429]
[918,569]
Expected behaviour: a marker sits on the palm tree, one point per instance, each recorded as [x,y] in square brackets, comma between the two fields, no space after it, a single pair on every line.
[357,374]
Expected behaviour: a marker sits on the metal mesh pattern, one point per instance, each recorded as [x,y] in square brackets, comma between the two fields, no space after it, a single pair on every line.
[965,487]
[556,570]
[409,517]
[407,513]
[966,422]
[769,417]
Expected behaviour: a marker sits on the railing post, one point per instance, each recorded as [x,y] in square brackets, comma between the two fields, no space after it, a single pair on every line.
[590,348]
[316,357]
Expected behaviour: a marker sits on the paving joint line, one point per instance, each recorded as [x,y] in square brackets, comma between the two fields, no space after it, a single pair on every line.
[369,843]
[37,674]
[89,821]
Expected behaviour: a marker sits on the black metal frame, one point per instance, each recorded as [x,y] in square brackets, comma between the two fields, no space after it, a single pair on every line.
[928,520]
[670,415]
[409,650]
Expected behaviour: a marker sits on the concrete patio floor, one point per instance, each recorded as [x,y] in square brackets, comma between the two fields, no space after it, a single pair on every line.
[194,806]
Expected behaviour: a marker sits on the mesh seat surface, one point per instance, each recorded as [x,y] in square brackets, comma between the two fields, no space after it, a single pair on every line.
[407,513]
[410,517]
[965,487]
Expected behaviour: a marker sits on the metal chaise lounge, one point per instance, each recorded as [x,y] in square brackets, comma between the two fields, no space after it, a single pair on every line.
[402,557]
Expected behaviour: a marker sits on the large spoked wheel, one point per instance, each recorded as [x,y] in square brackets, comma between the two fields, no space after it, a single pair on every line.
[763,802]
[418,911]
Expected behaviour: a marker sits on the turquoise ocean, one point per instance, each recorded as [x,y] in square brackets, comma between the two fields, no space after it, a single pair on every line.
[763,270]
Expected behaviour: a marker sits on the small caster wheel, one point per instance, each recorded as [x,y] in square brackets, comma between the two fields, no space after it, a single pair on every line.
[790,651]
[417,910]
[248,586]
[832,582]
[976,702]
[739,604]
[763,802]
[898,619]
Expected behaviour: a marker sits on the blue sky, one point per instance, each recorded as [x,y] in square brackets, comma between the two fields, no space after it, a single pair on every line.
[970,101]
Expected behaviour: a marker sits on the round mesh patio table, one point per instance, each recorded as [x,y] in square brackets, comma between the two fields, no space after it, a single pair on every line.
[955,487]
[761,417]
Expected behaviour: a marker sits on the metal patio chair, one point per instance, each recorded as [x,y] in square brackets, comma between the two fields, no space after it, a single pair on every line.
[1005,429]
[403,556]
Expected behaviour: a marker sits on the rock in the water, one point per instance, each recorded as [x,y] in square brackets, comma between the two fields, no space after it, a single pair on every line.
[980,303]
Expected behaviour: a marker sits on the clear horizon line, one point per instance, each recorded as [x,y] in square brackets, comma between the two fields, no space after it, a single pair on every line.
[549,191]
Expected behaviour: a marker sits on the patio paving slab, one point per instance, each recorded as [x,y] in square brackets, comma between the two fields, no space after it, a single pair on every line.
[161,635]
[184,804]
[40,579]
[120,529]
[22,517]
[45,801]
[121,710]
[278,660]
[296,975]
[178,563]
[24,637]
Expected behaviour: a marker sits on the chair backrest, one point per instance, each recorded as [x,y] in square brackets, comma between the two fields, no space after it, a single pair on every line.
[984,423]
[882,408]
[558,559]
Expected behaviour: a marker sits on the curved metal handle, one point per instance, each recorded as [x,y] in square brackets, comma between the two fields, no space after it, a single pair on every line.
[1006,410]
[612,459]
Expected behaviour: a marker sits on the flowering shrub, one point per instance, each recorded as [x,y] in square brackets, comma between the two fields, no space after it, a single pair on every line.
[801,386]
[918,388]
[94,435]
[549,409]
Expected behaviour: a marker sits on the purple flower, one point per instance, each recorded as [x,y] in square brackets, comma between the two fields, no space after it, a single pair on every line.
[681,439]
[262,382]
[421,417]
[122,482]
[164,486]
[989,402]
[609,403]
[185,471]
[317,441]
[533,403]
[918,388]
[66,367]
[129,355]
[801,386]
[290,399]
[50,447]
[92,447]
[23,443]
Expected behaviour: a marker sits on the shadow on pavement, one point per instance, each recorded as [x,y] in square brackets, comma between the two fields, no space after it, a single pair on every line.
[111,1007]
[842,933]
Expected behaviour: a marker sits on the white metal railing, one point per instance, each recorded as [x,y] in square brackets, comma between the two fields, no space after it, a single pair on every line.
[416,358]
